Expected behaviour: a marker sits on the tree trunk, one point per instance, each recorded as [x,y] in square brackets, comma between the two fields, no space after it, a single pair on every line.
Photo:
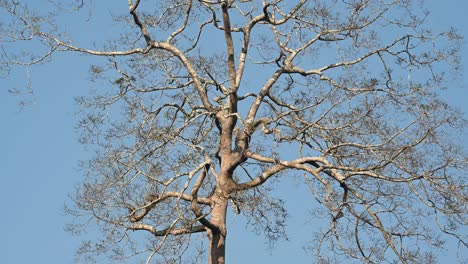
[218,237]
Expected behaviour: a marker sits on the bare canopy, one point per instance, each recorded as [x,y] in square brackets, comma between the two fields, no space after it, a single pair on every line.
[207,103]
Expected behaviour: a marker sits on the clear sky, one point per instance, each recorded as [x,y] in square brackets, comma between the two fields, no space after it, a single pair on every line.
[39,153]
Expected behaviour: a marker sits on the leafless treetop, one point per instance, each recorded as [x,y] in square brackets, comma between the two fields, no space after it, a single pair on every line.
[205,103]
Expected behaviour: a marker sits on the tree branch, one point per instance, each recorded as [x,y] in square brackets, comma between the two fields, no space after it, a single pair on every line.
[168,231]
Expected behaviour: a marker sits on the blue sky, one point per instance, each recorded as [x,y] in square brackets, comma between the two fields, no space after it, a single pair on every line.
[39,156]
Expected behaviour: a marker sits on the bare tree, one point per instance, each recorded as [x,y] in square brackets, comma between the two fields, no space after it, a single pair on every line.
[210,103]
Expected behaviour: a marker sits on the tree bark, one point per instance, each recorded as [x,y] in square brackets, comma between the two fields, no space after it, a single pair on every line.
[218,237]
